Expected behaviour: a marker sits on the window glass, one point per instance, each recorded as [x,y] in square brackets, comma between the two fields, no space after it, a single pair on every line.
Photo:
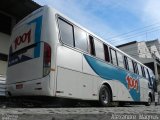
[92,47]
[152,77]
[146,73]
[80,39]
[113,57]
[120,59]
[126,63]
[66,32]
[99,49]
[151,74]
[139,69]
[106,53]
[135,67]
[130,65]
[143,72]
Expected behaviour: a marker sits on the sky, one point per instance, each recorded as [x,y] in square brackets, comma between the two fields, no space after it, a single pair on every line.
[116,21]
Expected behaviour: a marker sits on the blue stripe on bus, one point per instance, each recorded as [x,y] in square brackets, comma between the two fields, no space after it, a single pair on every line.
[37,35]
[110,72]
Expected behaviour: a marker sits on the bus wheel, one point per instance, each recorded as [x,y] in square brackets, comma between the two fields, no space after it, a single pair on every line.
[149,101]
[104,96]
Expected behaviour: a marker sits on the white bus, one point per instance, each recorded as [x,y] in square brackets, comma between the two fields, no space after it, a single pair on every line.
[50,55]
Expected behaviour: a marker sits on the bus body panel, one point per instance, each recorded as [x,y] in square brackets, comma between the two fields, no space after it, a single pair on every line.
[69,58]
[70,71]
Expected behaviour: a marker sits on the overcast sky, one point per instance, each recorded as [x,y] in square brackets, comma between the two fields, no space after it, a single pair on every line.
[116,21]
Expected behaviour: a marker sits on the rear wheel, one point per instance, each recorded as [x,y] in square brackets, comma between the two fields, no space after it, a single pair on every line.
[149,101]
[104,96]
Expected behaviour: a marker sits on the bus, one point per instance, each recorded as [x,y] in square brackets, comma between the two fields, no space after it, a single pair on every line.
[52,56]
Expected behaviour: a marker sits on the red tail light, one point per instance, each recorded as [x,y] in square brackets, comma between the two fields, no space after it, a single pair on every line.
[46,59]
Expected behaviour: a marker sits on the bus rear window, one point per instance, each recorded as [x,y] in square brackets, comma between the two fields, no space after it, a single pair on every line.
[22,55]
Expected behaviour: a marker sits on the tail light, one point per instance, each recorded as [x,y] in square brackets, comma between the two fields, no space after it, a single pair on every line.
[46,59]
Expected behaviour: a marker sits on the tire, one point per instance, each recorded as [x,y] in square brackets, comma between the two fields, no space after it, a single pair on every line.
[104,96]
[149,102]
[121,104]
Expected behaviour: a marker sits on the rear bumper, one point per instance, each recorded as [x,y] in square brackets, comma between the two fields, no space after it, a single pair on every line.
[38,87]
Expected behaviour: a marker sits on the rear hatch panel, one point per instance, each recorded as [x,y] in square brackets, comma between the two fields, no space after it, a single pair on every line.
[25,56]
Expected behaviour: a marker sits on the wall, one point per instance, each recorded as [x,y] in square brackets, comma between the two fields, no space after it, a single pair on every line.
[4,43]
[131,49]
[4,49]
[143,50]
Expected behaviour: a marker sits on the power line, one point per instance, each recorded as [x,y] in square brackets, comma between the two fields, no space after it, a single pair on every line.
[156,28]
[137,29]
[133,36]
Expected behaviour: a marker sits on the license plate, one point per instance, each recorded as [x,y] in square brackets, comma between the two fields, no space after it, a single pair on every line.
[19,86]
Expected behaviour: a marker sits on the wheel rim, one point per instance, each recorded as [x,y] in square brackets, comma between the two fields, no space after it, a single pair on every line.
[104,96]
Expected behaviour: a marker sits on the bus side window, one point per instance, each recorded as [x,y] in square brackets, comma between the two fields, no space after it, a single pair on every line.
[152,79]
[113,56]
[66,32]
[139,69]
[130,65]
[92,47]
[143,72]
[80,39]
[106,53]
[99,49]
[146,73]
[126,63]
[120,59]
[135,67]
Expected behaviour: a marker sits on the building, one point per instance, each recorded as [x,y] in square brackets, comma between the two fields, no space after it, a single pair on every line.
[147,52]
[11,11]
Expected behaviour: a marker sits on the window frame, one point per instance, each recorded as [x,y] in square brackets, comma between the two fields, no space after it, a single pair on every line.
[126,63]
[92,50]
[139,69]
[96,46]
[60,37]
[131,61]
[146,73]
[74,26]
[135,67]
[122,56]
[115,56]
[143,72]
[106,53]
[73,31]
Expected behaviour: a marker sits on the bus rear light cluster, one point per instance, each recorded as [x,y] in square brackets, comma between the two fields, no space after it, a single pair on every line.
[46,59]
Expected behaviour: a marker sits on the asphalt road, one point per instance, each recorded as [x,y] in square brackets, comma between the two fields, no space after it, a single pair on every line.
[132,112]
